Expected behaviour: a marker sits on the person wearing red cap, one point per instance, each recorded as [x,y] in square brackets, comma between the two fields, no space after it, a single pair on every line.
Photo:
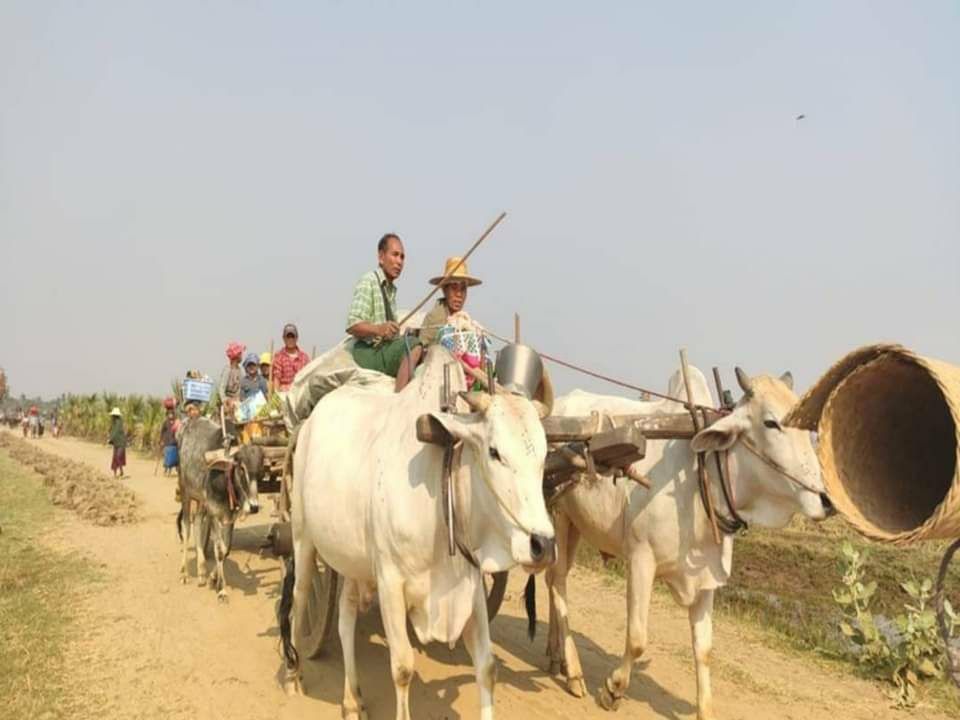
[289,360]
[230,378]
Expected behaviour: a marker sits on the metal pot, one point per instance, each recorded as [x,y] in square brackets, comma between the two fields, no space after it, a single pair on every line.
[519,370]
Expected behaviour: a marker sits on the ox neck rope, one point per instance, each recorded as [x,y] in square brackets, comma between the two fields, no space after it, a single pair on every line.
[451,468]
[735,523]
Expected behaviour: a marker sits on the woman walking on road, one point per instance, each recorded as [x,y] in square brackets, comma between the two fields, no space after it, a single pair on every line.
[118,438]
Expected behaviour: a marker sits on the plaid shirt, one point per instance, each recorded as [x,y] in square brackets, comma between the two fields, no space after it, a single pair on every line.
[367,303]
[286,366]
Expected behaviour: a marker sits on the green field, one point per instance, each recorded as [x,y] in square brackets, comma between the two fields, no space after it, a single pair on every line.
[39,593]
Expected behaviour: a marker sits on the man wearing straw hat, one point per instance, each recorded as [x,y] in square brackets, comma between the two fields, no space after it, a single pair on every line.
[372,319]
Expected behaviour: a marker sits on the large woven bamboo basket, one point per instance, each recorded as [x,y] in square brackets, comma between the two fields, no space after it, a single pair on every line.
[889,433]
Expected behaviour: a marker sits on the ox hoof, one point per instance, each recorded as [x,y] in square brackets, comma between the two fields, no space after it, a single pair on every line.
[202,581]
[608,701]
[292,686]
[360,714]
[223,598]
[577,687]
[183,579]
[556,667]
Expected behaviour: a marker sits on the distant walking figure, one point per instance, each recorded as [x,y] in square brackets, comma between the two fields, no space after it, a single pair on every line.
[118,438]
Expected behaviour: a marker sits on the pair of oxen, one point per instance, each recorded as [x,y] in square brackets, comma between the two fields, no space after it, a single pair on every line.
[367,500]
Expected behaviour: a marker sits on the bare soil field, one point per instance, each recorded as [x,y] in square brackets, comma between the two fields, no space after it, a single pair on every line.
[153,648]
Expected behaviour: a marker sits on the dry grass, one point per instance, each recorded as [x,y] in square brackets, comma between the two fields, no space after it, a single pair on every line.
[93,495]
[40,590]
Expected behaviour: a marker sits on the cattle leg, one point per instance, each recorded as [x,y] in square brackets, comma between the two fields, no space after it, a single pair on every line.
[393,610]
[184,522]
[199,527]
[701,628]
[641,569]
[353,708]
[220,553]
[565,651]
[476,638]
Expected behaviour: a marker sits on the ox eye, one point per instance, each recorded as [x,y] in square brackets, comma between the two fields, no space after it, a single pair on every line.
[772,424]
[495,454]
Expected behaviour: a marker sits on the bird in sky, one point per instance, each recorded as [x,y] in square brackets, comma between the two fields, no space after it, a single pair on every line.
[801,117]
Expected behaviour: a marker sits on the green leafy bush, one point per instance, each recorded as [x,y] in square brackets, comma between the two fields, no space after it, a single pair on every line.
[904,652]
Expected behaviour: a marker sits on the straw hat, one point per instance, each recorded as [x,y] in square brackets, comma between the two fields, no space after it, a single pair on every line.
[460,275]
[116,412]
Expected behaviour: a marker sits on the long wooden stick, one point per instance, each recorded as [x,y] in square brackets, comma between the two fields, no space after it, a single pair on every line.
[463,259]
[270,381]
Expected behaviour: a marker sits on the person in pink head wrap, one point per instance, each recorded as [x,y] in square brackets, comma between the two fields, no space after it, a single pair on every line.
[230,378]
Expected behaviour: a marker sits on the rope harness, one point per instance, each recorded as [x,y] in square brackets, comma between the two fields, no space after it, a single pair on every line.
[452,456]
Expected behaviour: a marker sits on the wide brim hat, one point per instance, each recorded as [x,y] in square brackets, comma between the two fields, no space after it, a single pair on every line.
[116,412]
[451,275]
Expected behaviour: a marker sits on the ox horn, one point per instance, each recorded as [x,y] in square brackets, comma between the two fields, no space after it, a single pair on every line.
[746,384]
[787,379]
[479,402]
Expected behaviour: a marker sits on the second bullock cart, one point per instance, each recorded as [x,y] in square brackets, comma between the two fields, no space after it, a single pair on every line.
[579,446]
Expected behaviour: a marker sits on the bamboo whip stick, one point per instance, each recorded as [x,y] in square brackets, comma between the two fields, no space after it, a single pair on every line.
[270,380]
[469,252]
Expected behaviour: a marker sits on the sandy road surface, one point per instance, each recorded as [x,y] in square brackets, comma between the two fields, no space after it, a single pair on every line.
[155,648]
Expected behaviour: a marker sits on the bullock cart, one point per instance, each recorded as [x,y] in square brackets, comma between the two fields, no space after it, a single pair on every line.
[594,444]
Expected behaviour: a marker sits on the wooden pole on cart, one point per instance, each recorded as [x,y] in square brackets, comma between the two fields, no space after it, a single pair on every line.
[270,380]
[701,466]
[516,328]
[456,267]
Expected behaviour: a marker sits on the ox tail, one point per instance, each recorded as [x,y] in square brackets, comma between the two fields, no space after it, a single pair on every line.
[179,526]
[284,608]
[530,603]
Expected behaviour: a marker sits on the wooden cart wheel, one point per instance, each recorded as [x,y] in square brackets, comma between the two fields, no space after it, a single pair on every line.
[320,612]
[495,586]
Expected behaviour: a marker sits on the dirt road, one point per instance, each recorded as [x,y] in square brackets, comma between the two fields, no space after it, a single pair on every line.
[155,648]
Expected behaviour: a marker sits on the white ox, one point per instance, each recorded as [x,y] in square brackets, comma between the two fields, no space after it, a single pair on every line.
[367,499]
[664,532]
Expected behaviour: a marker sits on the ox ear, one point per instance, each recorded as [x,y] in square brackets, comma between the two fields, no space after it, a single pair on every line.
[719,436]
[787,379]
[460,427]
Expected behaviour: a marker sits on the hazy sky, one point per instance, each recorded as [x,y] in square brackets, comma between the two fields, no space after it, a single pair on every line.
[174,176]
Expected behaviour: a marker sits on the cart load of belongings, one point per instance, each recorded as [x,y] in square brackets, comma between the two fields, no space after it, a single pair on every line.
[336,367]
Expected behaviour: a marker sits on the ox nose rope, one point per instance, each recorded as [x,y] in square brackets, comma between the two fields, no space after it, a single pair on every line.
[769,461]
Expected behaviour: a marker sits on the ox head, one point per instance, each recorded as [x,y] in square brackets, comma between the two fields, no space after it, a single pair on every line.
[248,464]
[504,451]
[776,472]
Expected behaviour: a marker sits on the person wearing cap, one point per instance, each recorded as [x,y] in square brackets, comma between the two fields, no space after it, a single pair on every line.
[372,319]
[448,324]
[118,438]
[230,377]
[289,360]
[265,361]
[252,382]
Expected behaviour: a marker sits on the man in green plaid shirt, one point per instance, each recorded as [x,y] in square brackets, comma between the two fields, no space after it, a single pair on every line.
[372,319]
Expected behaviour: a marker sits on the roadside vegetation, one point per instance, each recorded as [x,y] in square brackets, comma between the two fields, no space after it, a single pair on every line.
[88,416]
[40,590]
[95,496]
